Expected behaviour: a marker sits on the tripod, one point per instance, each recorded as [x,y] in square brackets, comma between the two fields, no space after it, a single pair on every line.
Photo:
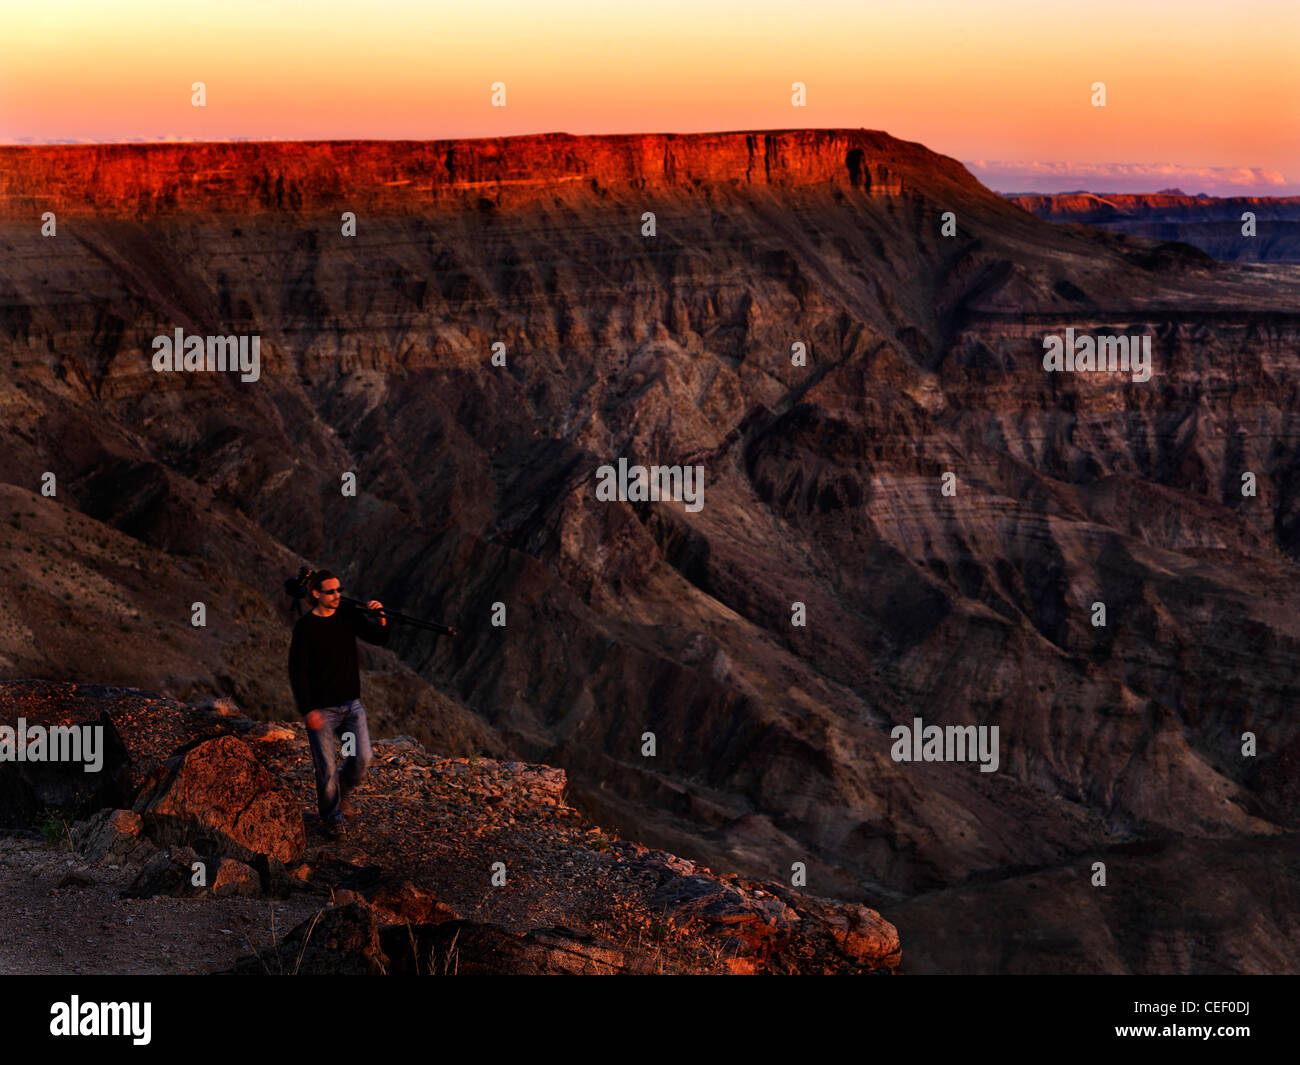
[405,619]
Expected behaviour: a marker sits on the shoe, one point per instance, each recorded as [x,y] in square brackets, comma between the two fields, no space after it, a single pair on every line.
[347,808]
[336,830]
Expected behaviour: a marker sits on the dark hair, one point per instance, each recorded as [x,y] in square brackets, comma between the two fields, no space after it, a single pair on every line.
[315,581]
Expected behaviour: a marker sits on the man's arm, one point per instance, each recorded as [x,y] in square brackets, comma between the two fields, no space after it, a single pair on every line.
[372,630]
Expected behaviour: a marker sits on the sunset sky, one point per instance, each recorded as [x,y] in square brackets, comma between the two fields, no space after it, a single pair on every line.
[1205,96]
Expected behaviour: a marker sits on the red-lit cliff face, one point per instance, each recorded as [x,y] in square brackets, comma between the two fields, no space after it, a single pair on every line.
[148,181]
[476,483]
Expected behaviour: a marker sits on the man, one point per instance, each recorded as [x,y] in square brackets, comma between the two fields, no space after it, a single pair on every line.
[327,688]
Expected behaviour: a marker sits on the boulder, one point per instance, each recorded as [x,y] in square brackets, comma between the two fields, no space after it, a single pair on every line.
[168,872]
[836,937]
[217,797]
[755,930]
[399,901]
[113,837]
[171,872]
[234,878]
[397,898]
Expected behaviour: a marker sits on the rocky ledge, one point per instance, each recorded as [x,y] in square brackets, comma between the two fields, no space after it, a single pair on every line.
[450,865]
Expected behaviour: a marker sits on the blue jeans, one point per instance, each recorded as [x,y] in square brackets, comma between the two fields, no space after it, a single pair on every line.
[332,788]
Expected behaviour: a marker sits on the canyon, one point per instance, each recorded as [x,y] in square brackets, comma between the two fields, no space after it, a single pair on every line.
[476,485]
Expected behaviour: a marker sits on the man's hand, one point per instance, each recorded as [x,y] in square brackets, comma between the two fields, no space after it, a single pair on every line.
[315,720]
[375,604]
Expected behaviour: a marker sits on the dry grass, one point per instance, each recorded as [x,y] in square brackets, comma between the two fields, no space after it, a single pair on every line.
[279,960]
[448,965]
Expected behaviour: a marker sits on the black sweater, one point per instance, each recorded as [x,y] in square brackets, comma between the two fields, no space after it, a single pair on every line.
[323,657]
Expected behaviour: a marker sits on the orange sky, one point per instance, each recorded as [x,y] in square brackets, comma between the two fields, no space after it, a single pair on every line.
[1202,95]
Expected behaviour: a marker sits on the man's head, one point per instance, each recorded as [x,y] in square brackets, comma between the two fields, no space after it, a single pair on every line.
[325,590]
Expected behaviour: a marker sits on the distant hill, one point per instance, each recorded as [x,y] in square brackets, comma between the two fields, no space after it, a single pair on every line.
[1210,223]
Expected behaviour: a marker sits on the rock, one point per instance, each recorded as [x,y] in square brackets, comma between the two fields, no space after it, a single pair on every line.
[337,941]
[234,878]
[785,934]
[871,940]
[467,948]
[272,734]
[220,707]
[172,872]
[685,900]
[400,901]
[113,836]
[673,863]
[274,877]
[219,798]
[840,936]
[169,872]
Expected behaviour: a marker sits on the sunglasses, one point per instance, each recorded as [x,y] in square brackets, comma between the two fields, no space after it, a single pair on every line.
[330,591]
